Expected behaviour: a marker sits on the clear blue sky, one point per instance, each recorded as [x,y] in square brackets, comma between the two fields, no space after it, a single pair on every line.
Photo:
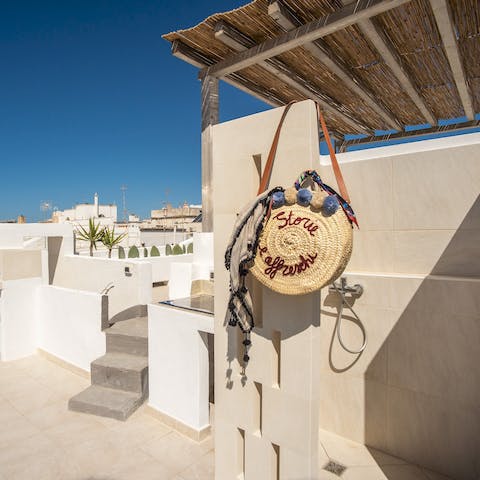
[91,99]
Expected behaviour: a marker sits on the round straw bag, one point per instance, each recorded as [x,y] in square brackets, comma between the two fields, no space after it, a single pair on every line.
[292,240]
[303,248]
[307,238]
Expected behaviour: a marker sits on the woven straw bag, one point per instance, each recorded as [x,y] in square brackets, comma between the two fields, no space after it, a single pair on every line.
[307,238]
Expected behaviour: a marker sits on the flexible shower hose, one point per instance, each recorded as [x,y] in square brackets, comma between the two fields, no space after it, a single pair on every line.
[339,323]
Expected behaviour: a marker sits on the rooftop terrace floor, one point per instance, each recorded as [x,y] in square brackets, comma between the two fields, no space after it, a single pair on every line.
[41,439]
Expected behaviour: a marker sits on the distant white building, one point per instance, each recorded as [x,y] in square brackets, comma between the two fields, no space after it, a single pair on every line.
[106,215]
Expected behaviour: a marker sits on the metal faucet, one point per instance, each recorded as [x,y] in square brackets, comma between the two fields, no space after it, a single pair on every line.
[356,289]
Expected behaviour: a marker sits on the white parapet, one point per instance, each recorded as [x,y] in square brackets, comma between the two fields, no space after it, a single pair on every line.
[178,365]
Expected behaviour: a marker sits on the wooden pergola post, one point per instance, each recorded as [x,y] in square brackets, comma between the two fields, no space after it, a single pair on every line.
[209,118]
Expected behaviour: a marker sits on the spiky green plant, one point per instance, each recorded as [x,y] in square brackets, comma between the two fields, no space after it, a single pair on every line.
[121,252]
[133,252]
[177,249]
[190,248]
[168,249]
[154,252]
[93,234]
[110,240]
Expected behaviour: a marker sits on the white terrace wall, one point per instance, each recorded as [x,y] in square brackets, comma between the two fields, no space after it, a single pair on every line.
[14,235]
[266,424]
[161,265]
[70,325]
[415,391]
[91,274]
[18,317]
[19,263]
[65,323]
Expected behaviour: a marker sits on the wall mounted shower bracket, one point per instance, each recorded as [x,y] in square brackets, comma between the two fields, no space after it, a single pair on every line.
[356,289]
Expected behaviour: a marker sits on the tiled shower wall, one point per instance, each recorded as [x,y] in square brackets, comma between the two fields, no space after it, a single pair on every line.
[415,390]
[266,421]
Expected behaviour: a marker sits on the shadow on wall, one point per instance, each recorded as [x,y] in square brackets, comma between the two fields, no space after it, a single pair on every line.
[431,413]
[54,245]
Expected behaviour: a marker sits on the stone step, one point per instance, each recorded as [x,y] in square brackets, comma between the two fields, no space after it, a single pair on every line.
[106,402]
[121,371]
[128,336]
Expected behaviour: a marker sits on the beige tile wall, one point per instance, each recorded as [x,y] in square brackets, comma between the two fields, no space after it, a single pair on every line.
[415,390]
[258,423]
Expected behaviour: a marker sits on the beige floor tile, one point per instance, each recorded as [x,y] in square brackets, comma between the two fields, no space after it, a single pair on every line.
[17,386]
[372,472]
[65,387]
[7,412]
[404,472]
[9,374]
[75,430]
[138,430]
[146,469]
[25,363]
[50,415]
[107,421]
[16,430]
[382,458]
[203,469]
[175,451]
[35,399]
[345,451]
[325,475]
[51,465]
[14,455]
[101,456]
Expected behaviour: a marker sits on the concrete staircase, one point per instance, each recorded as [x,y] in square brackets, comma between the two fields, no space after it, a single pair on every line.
[120,377]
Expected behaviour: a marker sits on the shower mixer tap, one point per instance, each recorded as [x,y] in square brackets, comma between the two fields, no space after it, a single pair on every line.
[356,289]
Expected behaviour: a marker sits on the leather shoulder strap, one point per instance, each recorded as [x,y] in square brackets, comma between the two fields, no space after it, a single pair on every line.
[273,150]
[336,167]
[267,172]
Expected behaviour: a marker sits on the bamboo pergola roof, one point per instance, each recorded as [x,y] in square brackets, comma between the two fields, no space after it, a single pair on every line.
[372,64]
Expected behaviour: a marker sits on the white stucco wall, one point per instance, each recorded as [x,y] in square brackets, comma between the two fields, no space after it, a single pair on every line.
[69,325]
[18,318]
[63,322]
[14,235]
[161,265]
[20,263]
[93,274]
[178,364]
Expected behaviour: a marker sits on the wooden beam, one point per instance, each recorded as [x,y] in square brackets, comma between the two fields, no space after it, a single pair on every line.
[443,18]
[309,32]
[463,127]
[209,96]
[209,102]
[238,41]
[368,29]
[197,59]
[288,21]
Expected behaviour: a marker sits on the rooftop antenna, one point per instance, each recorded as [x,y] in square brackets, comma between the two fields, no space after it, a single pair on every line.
[45,206]
[123,188]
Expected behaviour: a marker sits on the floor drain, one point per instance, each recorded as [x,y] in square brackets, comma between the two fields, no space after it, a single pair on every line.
[334,467]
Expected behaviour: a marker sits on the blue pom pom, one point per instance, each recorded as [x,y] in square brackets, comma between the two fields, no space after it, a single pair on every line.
[304,195]
[330,205]
[278,199]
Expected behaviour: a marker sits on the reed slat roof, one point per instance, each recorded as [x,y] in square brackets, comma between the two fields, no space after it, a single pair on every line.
[409,31]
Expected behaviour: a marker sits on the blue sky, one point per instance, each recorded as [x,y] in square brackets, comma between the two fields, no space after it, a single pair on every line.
[91,99]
